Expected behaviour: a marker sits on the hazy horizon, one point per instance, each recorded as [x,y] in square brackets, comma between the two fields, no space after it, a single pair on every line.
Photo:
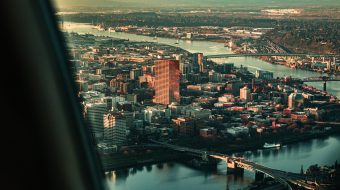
[193,3]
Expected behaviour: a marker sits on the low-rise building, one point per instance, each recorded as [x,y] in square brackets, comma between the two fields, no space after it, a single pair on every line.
[237,131]
[184,126]
[261,74]
[208,132]
[301,116]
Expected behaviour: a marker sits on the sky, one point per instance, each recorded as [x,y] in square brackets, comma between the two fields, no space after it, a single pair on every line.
[194,3]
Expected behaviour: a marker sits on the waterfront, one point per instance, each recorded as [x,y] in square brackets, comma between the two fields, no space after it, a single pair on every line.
[210,48]
[178,176]
[175,175]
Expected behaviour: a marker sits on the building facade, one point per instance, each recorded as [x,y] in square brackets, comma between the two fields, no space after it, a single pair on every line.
[245,93]
[115,128]
[94,113]
[260,74]
[198,63]
[295,100]
[167,78]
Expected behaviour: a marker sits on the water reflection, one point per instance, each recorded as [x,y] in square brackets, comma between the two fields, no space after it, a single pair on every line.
[149,168]
[173,175]
[170,164]
[160,166]
[321,143]
[256,153]
[266,154]
[177,176]
[275,153]
[121,176]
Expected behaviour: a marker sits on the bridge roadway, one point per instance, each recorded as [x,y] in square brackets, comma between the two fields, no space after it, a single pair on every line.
[320,79]
[327,123]
[269,54]
[281,176]
[310,79]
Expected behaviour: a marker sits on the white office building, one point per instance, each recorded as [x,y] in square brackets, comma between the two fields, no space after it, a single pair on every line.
[115,128]
[245,93]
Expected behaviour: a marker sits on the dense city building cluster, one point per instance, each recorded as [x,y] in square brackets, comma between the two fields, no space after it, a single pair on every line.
[256,40]
[132,91]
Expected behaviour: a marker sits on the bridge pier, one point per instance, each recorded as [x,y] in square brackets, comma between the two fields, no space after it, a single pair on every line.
[259,176]
[233,168]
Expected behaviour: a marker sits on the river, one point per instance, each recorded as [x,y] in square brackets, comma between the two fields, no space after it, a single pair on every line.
[211,48]
[180,177]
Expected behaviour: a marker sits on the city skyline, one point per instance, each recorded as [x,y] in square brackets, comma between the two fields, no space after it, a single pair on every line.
[246,94]
[194,3]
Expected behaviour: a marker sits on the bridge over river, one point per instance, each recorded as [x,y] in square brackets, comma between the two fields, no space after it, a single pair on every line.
[323,79]
[269,54]
[238,163]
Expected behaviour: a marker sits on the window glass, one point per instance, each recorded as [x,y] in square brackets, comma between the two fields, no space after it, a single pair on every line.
[192,94]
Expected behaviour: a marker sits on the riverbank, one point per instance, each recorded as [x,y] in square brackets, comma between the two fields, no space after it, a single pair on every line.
[236,49]
[258,144]
[119,161]
[175,175]
[161,155]
[209,48]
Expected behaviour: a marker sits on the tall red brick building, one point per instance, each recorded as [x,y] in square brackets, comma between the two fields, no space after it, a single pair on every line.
[167,81]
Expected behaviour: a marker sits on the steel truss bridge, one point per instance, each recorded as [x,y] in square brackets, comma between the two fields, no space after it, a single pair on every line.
[320,79]
[285,178]
[309,79]
[270,54]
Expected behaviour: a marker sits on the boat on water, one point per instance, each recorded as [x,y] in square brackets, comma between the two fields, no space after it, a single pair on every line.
[271,145]
[111,30]
[99,27]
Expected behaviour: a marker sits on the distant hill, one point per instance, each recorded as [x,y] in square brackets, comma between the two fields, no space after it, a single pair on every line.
[197,3]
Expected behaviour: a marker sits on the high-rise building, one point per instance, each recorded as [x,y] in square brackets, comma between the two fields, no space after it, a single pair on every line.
[167,81]
[185,68]
[295,100]
[233,87]
[109,102]
[329,65]
[184,126]
[129,117]
[224,68]
[115,128]
[135,74]
[245,93]
[261,74]
[125,87]
[94,113]
[82,85]
[198,62]
[214,76]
